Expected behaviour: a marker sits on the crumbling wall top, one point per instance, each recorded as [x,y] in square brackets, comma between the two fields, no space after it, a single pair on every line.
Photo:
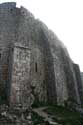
[8,5]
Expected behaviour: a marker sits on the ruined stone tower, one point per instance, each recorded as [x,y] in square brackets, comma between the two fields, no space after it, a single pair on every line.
[34,64]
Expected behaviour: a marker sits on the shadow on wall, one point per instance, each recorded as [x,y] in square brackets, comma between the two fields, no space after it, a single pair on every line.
[49,69]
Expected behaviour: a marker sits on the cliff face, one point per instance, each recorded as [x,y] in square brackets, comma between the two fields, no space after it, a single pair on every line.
[38,64]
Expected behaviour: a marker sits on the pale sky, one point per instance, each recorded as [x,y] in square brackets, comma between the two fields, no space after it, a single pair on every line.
[65,18]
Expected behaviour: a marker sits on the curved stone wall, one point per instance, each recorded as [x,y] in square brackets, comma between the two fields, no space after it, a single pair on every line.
[52,75]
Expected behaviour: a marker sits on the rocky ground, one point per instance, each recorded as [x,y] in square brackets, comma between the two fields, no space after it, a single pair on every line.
[46,115]
[18,115]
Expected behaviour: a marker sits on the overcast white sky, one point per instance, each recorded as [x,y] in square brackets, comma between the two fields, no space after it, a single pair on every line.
[65,18]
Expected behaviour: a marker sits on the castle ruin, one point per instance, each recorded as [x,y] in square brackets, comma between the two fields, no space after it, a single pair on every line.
[34,64]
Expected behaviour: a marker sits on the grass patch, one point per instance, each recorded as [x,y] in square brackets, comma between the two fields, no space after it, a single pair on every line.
[38,104]
[37,119]
[64,116]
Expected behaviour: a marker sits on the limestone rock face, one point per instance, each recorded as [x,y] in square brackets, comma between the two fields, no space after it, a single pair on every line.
[36,65]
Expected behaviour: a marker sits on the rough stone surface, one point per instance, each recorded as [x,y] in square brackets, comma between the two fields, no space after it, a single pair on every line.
[20,84]
[82,77]
[79,81]
[35,65]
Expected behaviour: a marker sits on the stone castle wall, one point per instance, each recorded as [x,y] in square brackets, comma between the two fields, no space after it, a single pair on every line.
[46,67]
[79,81]
[20,84]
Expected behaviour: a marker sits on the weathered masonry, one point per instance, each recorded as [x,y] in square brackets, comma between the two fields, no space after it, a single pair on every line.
[34,64]
[20,74]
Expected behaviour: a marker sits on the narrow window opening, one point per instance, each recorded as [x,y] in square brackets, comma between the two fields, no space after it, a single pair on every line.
[0,55]
[36,69]
[11,10]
